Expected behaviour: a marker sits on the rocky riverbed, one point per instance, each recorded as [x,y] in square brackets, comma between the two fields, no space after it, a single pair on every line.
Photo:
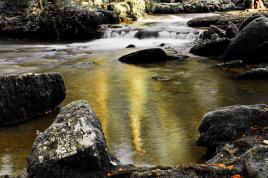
[159,98]
[74,146]
[241,38]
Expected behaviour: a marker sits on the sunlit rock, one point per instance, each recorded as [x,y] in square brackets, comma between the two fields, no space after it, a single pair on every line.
[73,146]
[128,8]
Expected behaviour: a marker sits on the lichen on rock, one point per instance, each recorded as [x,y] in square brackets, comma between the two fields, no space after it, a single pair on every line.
[74,145]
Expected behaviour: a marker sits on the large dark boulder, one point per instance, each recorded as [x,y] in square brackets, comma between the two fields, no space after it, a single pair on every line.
[249,20]
[73,146]
[250,45]
[229,123]
[23,97]
[152,55]
[214,47]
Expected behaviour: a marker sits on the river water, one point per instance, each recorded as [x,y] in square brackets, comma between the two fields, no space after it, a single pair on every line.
[146,122]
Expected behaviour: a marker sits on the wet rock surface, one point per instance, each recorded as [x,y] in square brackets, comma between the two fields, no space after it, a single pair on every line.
[229,123]
[24,97]
[223,19]
[250,43]
[152,55]
[214,47]
[73,146]
[247,38]
[257,73]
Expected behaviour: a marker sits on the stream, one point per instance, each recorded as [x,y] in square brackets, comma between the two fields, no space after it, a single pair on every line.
[145,122]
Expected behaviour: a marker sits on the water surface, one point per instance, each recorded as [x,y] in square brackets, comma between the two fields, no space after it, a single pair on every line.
[145,122]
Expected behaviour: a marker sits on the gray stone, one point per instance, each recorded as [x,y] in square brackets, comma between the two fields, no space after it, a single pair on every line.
[73,146]
[24,97]
[228,123]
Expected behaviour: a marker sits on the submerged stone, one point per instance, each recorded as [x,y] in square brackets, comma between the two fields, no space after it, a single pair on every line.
[23,97]
[258,73]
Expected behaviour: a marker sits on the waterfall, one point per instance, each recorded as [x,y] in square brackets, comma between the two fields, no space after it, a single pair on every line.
[168,28]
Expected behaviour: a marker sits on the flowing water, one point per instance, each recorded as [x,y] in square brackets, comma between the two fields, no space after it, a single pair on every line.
[145,122]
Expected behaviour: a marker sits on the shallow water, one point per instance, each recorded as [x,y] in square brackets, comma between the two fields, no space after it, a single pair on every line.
[145,122]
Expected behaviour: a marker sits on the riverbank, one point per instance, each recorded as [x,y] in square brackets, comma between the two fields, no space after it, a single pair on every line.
[81,20]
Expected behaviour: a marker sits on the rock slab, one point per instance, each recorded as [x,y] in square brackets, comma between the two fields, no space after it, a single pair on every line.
[152,55]
[250,43]
[229,123]
[23,97]
[73,146]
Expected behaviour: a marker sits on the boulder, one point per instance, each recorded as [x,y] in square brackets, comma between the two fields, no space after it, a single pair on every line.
[249,20]
[128,8]
[251,43]
[137,7]
[210,47]
[229,123]
[222,20]
[73,146]
[142,34]
[231,30]
[24,97]
[165,8]
[258,73]
[152,55]
[212,30]
[122,9]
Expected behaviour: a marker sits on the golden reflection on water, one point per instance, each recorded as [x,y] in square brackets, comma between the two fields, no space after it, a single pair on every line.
[101,93]
[137,90]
